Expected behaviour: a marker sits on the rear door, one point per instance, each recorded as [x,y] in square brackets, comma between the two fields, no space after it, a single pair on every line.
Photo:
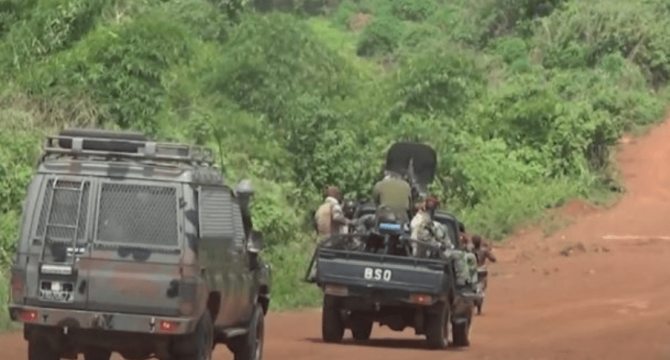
[57,243]
[132,266]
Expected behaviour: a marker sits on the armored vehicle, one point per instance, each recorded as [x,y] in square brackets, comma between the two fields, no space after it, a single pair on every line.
[136,247]
[371,276]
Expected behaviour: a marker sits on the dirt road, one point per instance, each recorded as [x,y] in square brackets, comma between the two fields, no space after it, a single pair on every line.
[606,297]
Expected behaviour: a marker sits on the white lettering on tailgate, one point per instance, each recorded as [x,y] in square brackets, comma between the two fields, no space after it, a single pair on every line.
[377,274]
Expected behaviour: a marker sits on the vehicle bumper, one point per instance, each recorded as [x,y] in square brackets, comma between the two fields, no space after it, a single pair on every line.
[95,320]
[368,298]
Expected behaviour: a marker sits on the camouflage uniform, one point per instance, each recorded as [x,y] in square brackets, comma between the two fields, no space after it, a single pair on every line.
[394,194]
[422,230]
[466,267]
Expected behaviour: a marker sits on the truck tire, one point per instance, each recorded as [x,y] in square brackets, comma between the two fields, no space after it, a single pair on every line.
[250,346]
[461,333]
[205,337]
[39,349]
[361,327]
[437,327]
[202,339]
[332,326]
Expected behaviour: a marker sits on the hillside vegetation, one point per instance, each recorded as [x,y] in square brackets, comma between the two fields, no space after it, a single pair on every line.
[522,99]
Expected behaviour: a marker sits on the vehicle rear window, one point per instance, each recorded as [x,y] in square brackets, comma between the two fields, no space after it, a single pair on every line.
[137,214]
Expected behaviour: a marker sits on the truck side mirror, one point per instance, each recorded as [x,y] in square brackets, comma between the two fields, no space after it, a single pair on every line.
[257,242]
[244,192]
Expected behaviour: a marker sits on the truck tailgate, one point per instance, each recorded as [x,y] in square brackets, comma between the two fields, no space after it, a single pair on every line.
[380,271]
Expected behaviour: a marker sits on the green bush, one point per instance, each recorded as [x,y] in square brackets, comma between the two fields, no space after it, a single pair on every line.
[421,34]
[413,10]
[122,66]
[270,61]
[522,99]
[438,80]
[588,31]
[344,12]
[381,37]
[53,25]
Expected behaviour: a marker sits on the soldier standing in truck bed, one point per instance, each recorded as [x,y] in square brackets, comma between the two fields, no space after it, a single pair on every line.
[393,194]
[330,220]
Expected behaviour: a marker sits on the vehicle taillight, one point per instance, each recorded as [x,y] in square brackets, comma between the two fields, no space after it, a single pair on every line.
[28,315]
[336,290]
[421,299]
[167,326]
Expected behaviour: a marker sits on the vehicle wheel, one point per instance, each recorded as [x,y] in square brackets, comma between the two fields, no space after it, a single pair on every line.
[461,333]
[97,354]
[361,328]
[437,328]
[332,326]
[202,338]
[250,346]
[39,349]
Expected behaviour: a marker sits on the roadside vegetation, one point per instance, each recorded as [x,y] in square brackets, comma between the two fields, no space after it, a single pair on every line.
[522,99]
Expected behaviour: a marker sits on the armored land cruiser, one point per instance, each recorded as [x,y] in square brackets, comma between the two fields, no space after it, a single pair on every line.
[371,275]
[136,247]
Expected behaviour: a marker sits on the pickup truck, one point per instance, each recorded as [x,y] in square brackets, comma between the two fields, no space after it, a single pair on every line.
[362,287]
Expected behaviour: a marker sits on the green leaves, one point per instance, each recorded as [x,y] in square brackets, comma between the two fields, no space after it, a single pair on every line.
[521,99]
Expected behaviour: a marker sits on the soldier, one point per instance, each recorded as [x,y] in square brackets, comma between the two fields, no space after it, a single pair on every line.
[393,194]
[482,253]
[423,221]
[465,238]
[330,220]
[348,210]
[329,216]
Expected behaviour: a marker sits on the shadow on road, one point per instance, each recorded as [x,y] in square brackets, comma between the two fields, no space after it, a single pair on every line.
[414,344]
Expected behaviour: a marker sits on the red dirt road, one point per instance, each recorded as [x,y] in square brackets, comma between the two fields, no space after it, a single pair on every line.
[609,298]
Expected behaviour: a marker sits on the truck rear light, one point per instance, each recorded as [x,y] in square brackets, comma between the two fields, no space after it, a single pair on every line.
[168,326]
[421,299]
[336,290]
[28,315]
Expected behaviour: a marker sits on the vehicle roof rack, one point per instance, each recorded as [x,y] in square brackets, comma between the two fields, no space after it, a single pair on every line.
[126,145]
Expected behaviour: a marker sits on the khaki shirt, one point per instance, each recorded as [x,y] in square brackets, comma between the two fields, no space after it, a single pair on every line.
[393,193]
[328,218]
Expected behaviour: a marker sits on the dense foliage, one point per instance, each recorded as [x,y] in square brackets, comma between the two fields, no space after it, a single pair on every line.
[523,99]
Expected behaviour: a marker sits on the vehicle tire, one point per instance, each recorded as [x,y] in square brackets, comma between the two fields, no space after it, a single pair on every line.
[437,328]
[361,327]
[202,338]
[332,326]
[39,349]
[250,346]
[461,333]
